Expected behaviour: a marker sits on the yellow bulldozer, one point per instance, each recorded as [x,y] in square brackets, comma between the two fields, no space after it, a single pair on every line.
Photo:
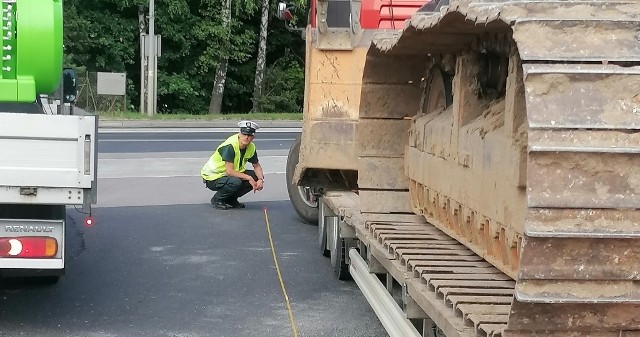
[483,157]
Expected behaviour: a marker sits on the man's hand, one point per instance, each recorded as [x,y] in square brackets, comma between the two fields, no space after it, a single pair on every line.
[259,185]
[253,183]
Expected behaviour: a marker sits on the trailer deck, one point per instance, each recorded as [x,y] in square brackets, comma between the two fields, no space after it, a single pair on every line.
[441,279]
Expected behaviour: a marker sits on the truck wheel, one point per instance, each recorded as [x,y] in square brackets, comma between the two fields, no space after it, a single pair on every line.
[304,202]
[339,256]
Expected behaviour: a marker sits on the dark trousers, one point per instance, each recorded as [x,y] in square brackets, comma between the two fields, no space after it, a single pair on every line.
[230,188]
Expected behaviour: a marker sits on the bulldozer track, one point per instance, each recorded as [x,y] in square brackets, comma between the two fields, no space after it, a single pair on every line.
[534,166]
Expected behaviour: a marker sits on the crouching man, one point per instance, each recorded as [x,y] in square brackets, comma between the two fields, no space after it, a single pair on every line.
[225,171]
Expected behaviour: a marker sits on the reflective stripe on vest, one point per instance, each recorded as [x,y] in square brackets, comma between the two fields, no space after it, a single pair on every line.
[214,167]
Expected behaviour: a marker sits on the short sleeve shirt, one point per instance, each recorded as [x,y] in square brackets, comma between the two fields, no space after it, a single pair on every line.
[228,154]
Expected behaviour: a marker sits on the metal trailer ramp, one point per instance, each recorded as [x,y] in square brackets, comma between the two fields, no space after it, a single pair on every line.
[442,280]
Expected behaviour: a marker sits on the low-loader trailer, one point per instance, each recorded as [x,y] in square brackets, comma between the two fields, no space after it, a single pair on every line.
[475,165]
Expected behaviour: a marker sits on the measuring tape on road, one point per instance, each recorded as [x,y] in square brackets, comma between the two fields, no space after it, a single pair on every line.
[275,262]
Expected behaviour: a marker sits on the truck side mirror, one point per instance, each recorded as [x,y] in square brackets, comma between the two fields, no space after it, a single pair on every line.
[69,85]
[284,12]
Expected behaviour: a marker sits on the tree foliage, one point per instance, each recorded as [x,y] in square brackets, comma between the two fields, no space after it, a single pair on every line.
[103,35]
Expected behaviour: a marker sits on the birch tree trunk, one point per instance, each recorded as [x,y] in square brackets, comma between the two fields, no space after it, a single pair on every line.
[215,105]
[262,57]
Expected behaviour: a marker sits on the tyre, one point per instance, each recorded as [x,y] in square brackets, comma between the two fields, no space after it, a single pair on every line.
[322,232]
[304,201]
[339,255]
[434,331]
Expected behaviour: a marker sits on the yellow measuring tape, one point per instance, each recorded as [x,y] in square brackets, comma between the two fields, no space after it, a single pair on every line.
[284,291]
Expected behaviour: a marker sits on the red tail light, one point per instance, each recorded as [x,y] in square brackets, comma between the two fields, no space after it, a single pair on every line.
[29,247]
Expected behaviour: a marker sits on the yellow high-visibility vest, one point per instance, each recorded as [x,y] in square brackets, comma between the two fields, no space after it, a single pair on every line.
[214,167]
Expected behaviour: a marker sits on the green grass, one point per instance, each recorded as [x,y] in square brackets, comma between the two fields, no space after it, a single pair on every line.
[160,117]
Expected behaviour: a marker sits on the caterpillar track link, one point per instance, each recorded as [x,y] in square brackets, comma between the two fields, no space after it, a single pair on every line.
[523,144]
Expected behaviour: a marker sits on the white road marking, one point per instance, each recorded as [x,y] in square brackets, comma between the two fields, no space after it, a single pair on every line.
[166,178]
[190,130]
[171,167]
[176,176]
[180,140]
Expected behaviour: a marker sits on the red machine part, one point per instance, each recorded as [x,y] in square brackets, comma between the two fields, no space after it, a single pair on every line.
[379,14]
[387,14]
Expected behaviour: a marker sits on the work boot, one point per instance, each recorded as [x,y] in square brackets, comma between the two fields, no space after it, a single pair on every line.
[219,204]
[235,204]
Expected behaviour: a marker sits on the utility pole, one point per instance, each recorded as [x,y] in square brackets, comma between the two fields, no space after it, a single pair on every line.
[151,64]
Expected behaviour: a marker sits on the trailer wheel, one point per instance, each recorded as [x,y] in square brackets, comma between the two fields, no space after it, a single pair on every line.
[434,331]
[322,232]
[304,201]
[339,255]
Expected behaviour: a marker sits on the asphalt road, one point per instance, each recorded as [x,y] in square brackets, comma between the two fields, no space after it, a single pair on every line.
[177,140]
[160,261]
